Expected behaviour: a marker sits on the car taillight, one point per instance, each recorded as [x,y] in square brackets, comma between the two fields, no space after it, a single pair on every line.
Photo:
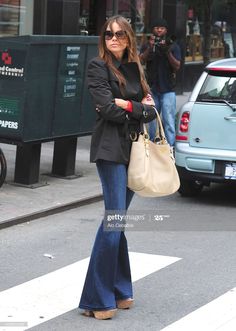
[184,122]
[183,126]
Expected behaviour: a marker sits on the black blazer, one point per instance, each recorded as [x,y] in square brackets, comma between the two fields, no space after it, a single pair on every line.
[111,138]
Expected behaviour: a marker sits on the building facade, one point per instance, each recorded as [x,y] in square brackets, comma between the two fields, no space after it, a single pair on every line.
[85,17]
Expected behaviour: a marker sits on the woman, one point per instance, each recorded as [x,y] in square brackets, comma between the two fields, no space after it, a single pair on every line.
[119,90]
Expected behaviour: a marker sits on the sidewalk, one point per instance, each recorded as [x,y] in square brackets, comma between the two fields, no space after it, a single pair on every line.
[20,204]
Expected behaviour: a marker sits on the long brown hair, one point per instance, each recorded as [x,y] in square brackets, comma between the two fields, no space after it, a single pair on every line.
[132,53]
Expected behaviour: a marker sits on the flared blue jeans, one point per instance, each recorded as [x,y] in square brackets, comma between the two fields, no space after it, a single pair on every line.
[108,277]
[166,105]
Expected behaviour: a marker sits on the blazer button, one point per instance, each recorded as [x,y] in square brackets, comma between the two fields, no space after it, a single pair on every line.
[145,113]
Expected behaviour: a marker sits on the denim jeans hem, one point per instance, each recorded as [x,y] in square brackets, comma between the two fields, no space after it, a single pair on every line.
[95,308]
[125,297]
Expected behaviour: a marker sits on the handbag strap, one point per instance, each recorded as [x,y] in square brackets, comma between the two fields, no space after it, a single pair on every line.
[160,134]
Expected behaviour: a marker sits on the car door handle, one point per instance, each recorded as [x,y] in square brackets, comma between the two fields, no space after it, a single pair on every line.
[230,118]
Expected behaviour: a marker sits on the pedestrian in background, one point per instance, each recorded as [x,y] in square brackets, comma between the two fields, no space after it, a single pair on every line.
[120,93]
[162,57]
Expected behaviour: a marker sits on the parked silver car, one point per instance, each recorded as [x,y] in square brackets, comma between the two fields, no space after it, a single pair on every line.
[205,148]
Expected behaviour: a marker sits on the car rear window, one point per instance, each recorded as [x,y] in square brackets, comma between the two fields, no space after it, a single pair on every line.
[219,86]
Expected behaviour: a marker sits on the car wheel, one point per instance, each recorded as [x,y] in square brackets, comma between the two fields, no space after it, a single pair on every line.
[190,188]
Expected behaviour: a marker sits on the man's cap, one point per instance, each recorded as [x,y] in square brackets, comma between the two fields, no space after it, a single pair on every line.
[160,22]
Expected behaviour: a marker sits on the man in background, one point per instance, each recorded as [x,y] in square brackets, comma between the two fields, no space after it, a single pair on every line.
[162,57]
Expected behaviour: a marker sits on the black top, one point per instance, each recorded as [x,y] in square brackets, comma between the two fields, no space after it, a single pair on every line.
[111,138]
[159,72]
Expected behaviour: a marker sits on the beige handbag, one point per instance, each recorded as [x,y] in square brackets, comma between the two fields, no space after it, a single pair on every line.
[151,170]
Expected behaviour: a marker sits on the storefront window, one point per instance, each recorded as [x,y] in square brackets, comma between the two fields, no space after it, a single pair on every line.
[9,17]
[195,38]
[217,43]
[84,17]
[16,17]
[134,11]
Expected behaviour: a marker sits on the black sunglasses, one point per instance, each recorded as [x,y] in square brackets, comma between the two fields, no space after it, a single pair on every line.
[119,34]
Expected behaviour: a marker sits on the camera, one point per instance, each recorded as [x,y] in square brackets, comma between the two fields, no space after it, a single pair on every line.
[159,41]
[162,43]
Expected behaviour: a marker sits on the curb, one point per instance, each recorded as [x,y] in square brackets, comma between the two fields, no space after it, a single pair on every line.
[50,211]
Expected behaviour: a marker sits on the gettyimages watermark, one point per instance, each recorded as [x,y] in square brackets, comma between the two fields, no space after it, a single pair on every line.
[167,220]
[117,220]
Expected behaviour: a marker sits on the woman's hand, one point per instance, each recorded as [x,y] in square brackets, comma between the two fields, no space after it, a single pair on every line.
[121,103]
[148,100]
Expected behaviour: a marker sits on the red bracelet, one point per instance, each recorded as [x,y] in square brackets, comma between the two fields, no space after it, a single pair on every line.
[129,107]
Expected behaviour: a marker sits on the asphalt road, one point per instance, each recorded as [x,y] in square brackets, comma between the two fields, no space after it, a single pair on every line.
[199,231]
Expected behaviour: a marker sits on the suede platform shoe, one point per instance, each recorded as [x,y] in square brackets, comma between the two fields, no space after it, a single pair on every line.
[125,303]
[100,314]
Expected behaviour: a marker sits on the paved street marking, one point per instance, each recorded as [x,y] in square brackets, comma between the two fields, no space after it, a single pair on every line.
[58,292]
[217,315]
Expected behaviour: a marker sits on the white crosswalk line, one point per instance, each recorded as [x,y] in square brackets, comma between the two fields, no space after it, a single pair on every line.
[217,315]
[58,292]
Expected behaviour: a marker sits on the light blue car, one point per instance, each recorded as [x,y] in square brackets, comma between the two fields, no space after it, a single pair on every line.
[205,149]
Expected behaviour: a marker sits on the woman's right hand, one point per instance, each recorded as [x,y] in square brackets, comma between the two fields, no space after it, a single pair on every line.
[148,100]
